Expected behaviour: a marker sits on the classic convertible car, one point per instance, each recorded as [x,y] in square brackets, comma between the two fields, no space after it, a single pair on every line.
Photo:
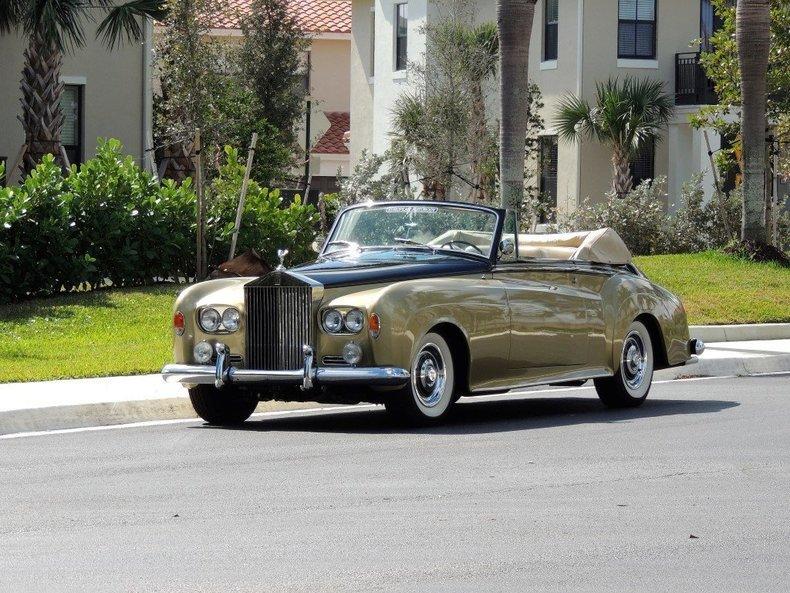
[415,304]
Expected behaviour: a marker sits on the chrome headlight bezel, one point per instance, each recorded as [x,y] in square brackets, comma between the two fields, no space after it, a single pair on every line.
[354,321]
[338,324]
[231,319]
[209,320]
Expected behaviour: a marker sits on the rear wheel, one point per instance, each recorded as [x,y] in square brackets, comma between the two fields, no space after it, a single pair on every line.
[429,394]
[631,384]
[224,407]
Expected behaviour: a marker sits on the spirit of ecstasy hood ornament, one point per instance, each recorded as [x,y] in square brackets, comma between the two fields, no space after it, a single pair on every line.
[281,253]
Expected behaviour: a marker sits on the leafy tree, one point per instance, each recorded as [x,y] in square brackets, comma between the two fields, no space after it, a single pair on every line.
[54,27]
[441,129]
[203,86]
[514,23]
[271,64]
[626,115]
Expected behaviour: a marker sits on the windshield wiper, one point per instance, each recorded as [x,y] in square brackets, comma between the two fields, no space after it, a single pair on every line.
[345,246]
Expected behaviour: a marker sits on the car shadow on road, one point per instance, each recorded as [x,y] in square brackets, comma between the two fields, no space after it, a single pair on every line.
[477,417]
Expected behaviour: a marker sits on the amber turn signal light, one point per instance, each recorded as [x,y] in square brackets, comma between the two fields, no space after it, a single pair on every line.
[374,324]
[178,323]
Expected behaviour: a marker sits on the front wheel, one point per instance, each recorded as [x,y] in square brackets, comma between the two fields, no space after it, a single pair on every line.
[630,385]
[223,407]
[429,394]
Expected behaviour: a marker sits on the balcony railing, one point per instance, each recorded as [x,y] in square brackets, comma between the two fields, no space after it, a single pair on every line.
[692,87]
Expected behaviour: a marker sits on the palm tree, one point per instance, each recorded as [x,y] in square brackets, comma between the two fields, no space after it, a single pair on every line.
[626,116]
[514,23]
[52,28]
[753,37]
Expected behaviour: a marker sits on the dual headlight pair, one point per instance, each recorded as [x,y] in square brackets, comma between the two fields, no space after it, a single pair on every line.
[335,322]
[212,321]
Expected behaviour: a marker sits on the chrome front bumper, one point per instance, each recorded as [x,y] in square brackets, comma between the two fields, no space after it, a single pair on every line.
[221,373]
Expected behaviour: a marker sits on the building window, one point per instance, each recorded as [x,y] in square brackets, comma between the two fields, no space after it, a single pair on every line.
[643,165]
[636,29]
[709,23]
[71,134]
[550,21]
[547,166]
[401,35]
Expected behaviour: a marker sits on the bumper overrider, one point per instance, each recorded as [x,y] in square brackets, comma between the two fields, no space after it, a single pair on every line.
[222,373]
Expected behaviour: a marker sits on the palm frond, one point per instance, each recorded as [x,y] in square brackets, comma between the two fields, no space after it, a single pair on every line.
[123,22]
[58,22]
[10,14]
[574,119]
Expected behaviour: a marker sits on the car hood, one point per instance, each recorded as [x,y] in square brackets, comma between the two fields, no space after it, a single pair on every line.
[350,270]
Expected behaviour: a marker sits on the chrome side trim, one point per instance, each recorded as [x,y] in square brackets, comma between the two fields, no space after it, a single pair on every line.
[580,375]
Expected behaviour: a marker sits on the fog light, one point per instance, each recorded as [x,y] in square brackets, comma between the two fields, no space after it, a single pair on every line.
[203,351]
[352,353]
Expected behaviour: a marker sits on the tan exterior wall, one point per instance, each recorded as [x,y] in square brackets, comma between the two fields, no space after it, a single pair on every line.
[586,54]
[330,78]
[113,94]
[677,25]
[361,87]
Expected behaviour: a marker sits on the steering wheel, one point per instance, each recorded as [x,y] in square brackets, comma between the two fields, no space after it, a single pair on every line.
[466,243]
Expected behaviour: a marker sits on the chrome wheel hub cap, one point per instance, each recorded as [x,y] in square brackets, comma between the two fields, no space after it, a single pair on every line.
[428,375]
[634,360]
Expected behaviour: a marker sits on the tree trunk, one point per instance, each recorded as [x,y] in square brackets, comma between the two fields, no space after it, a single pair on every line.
[752,33]
[42,118]
[514,23]
[622,182]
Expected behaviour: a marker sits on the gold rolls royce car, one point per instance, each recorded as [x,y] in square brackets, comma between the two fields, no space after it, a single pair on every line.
[415,304]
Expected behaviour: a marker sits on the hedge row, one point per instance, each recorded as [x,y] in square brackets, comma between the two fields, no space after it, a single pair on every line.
[108,221]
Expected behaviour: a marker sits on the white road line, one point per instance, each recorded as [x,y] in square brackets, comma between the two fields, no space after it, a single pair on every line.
[312,411]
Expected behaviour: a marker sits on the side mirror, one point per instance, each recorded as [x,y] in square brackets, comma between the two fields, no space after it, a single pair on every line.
[507,247]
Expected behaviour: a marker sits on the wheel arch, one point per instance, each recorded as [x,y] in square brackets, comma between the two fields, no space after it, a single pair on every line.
[459,348]
[656,339]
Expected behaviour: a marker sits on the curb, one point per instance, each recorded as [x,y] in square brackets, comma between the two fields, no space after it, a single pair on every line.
[114,413]
[740,333]
[177,408]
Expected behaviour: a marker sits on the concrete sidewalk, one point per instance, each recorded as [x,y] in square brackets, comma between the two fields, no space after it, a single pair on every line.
[51,405]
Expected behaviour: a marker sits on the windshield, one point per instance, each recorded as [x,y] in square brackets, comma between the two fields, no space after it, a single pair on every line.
[435,227]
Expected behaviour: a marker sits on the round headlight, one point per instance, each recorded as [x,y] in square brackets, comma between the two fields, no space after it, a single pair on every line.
[210,320]
[230,319]
[333,321]
[355,320]
[203,352]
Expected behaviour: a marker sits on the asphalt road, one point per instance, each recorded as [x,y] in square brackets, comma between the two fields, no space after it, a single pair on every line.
[545,492]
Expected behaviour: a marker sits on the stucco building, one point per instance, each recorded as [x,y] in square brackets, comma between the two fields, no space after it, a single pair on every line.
[107,94]
[575,43]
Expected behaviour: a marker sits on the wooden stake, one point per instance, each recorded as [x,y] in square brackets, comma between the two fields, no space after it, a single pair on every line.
[244,185]
[719,192]
[201,265]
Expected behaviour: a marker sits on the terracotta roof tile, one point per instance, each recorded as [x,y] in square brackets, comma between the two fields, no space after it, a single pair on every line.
[314,16]
[333,140]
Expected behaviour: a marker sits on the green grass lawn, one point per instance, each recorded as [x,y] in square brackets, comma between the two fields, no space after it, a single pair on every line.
[90,334]
[127,331]
[718,289]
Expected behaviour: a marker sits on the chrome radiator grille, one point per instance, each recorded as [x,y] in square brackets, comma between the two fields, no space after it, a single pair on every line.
[278,326]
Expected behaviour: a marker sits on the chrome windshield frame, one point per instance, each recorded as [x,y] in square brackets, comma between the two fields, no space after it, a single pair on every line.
[497,233]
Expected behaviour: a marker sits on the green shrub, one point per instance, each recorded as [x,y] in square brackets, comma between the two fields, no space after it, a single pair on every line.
[641,220]
[266,225]
[38,238]
[108,221]
[133,228]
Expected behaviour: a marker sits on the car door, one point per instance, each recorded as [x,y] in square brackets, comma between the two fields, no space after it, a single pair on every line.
[549,316]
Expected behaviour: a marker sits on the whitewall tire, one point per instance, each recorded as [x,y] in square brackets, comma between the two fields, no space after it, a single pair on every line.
[429,394]
[631,383]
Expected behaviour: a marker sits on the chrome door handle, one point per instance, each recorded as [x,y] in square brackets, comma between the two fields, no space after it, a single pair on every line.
[552,287]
